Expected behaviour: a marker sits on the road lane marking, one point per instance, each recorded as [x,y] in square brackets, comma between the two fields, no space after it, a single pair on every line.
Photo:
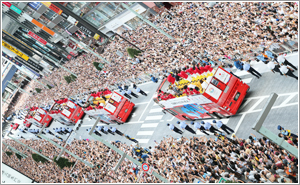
[145,110]
[156,110]
[256,104]
[247,80]
[244,105]
[149,125]
[141,103]
[239,123]
[149,133]
[266,96]
[275,107]
[143,140]
[288,99]
[154,117]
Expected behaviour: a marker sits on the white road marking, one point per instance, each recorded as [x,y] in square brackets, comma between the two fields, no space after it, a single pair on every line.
[239,123]
[247,80]
[143,140]
[202,134]
[256,104]
[156,110]
[288,99]
[145,109]
[266,96]
[147,125]
[149,133]
[171,119]
[244,105]
[141,103]
[154,117]
[133,115]
[275,107]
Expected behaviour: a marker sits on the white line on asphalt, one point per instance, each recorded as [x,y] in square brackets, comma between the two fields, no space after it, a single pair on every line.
[143,140]
[288,99]
[244,105]
[154,117]
[145,109]
[256,104]
[141,103]
[149,133]
[275,107]
[149,125]
[201,133]
[156,110]
[239,123]
[171,119]
[247,80]
[266,96]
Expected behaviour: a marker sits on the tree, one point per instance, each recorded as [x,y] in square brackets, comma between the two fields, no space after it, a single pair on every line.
[38,90]
[68,79]
[49,86]
[63,162]
[9,153]
[38,158]
[132,52]
[96,64]
[73,77]
[18,156]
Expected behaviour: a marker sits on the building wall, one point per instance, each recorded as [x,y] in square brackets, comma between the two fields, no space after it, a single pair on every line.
[8,77]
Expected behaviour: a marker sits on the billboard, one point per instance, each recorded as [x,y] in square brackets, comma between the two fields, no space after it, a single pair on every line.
[10,175]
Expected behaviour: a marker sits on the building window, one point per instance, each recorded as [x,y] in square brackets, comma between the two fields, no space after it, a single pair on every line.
[49,14]
[58,29]
[96,18]
[44,20]
[64,24]
[28,10]
[75,6]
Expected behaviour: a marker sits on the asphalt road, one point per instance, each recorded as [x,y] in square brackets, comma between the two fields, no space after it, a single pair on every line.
[147,122]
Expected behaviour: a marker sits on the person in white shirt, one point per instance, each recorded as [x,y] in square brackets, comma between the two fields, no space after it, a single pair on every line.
[282,60]
[286,71]
[274,67]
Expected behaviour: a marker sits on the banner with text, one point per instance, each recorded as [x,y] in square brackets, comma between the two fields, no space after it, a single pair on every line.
[22,55]
[198,99]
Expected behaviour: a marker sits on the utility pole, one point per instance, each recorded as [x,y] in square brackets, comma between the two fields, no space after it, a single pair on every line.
[91,133]
[90,50]
[147,21]
[266,132]
[15,150]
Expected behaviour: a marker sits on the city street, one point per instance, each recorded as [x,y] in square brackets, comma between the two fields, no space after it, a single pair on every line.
[148,123]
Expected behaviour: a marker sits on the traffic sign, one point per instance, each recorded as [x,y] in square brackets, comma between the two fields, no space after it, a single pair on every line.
[150,170]
[145,167]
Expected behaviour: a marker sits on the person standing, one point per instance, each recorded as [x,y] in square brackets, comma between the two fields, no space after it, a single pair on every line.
[274,67]
[251,70]
[184,126]
[287,71]
[209,127]
[131,138]
[101,128]
[132,93]
[282,60]
[125,94]
[173,128]
[220,124]
[49,132]
[199,127]
[108,130]
[155,80]
[238,64]
[138,90]
[22,130]
[114,130]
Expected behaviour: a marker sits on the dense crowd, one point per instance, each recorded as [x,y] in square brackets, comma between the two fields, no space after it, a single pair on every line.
[200,33]
[180,160]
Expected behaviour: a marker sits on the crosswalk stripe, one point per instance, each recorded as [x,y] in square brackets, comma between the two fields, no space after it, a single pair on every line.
[143,140]
[156,110]
[149,125]
[149,133]
[154,117]
[247,80]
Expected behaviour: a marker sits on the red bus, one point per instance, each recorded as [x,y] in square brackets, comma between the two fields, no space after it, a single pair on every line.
[221,98]
[116,109]
[38,117]
[68,113]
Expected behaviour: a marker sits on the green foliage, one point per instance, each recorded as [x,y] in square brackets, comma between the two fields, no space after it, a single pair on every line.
[18,156]
[38,90]
[230,181]
[73,77]
[49,86]
[9,153]
[96,64]
[63,162]
[132,52]
[68,79]
[38,158]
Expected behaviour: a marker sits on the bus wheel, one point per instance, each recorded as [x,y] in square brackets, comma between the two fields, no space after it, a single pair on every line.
[189,119]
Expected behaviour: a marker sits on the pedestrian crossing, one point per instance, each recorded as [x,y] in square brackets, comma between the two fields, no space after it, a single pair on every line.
[148,125]
[154,117]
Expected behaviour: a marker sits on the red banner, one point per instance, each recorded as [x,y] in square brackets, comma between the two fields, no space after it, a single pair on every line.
[37,38]
[55,9]
[7,4]
[69,56]
[72,53]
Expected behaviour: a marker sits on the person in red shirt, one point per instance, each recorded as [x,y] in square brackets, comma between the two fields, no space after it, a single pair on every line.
[208,68]
[190,70]
[171,79]
[182,74]
[160,93]
[171,96]
[99,93]
[195,91]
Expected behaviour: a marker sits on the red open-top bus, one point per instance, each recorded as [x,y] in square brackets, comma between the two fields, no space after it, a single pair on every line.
[38,117]
[221,98]
[116,109]
[67,113]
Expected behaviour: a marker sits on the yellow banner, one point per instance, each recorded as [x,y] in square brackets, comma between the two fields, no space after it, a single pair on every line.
[47,4]
[25,57]
[96,36]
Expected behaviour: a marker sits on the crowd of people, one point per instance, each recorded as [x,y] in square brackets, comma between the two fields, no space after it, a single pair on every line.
[179,160]
[201,34]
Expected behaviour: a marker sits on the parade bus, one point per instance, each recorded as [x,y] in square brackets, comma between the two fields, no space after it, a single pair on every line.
[38,117]
[67,113]
[116,108]
[221,98]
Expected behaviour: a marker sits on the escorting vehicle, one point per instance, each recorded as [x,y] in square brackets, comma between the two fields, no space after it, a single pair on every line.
[116,108]
[221,98]
[38,117]
[67,113]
